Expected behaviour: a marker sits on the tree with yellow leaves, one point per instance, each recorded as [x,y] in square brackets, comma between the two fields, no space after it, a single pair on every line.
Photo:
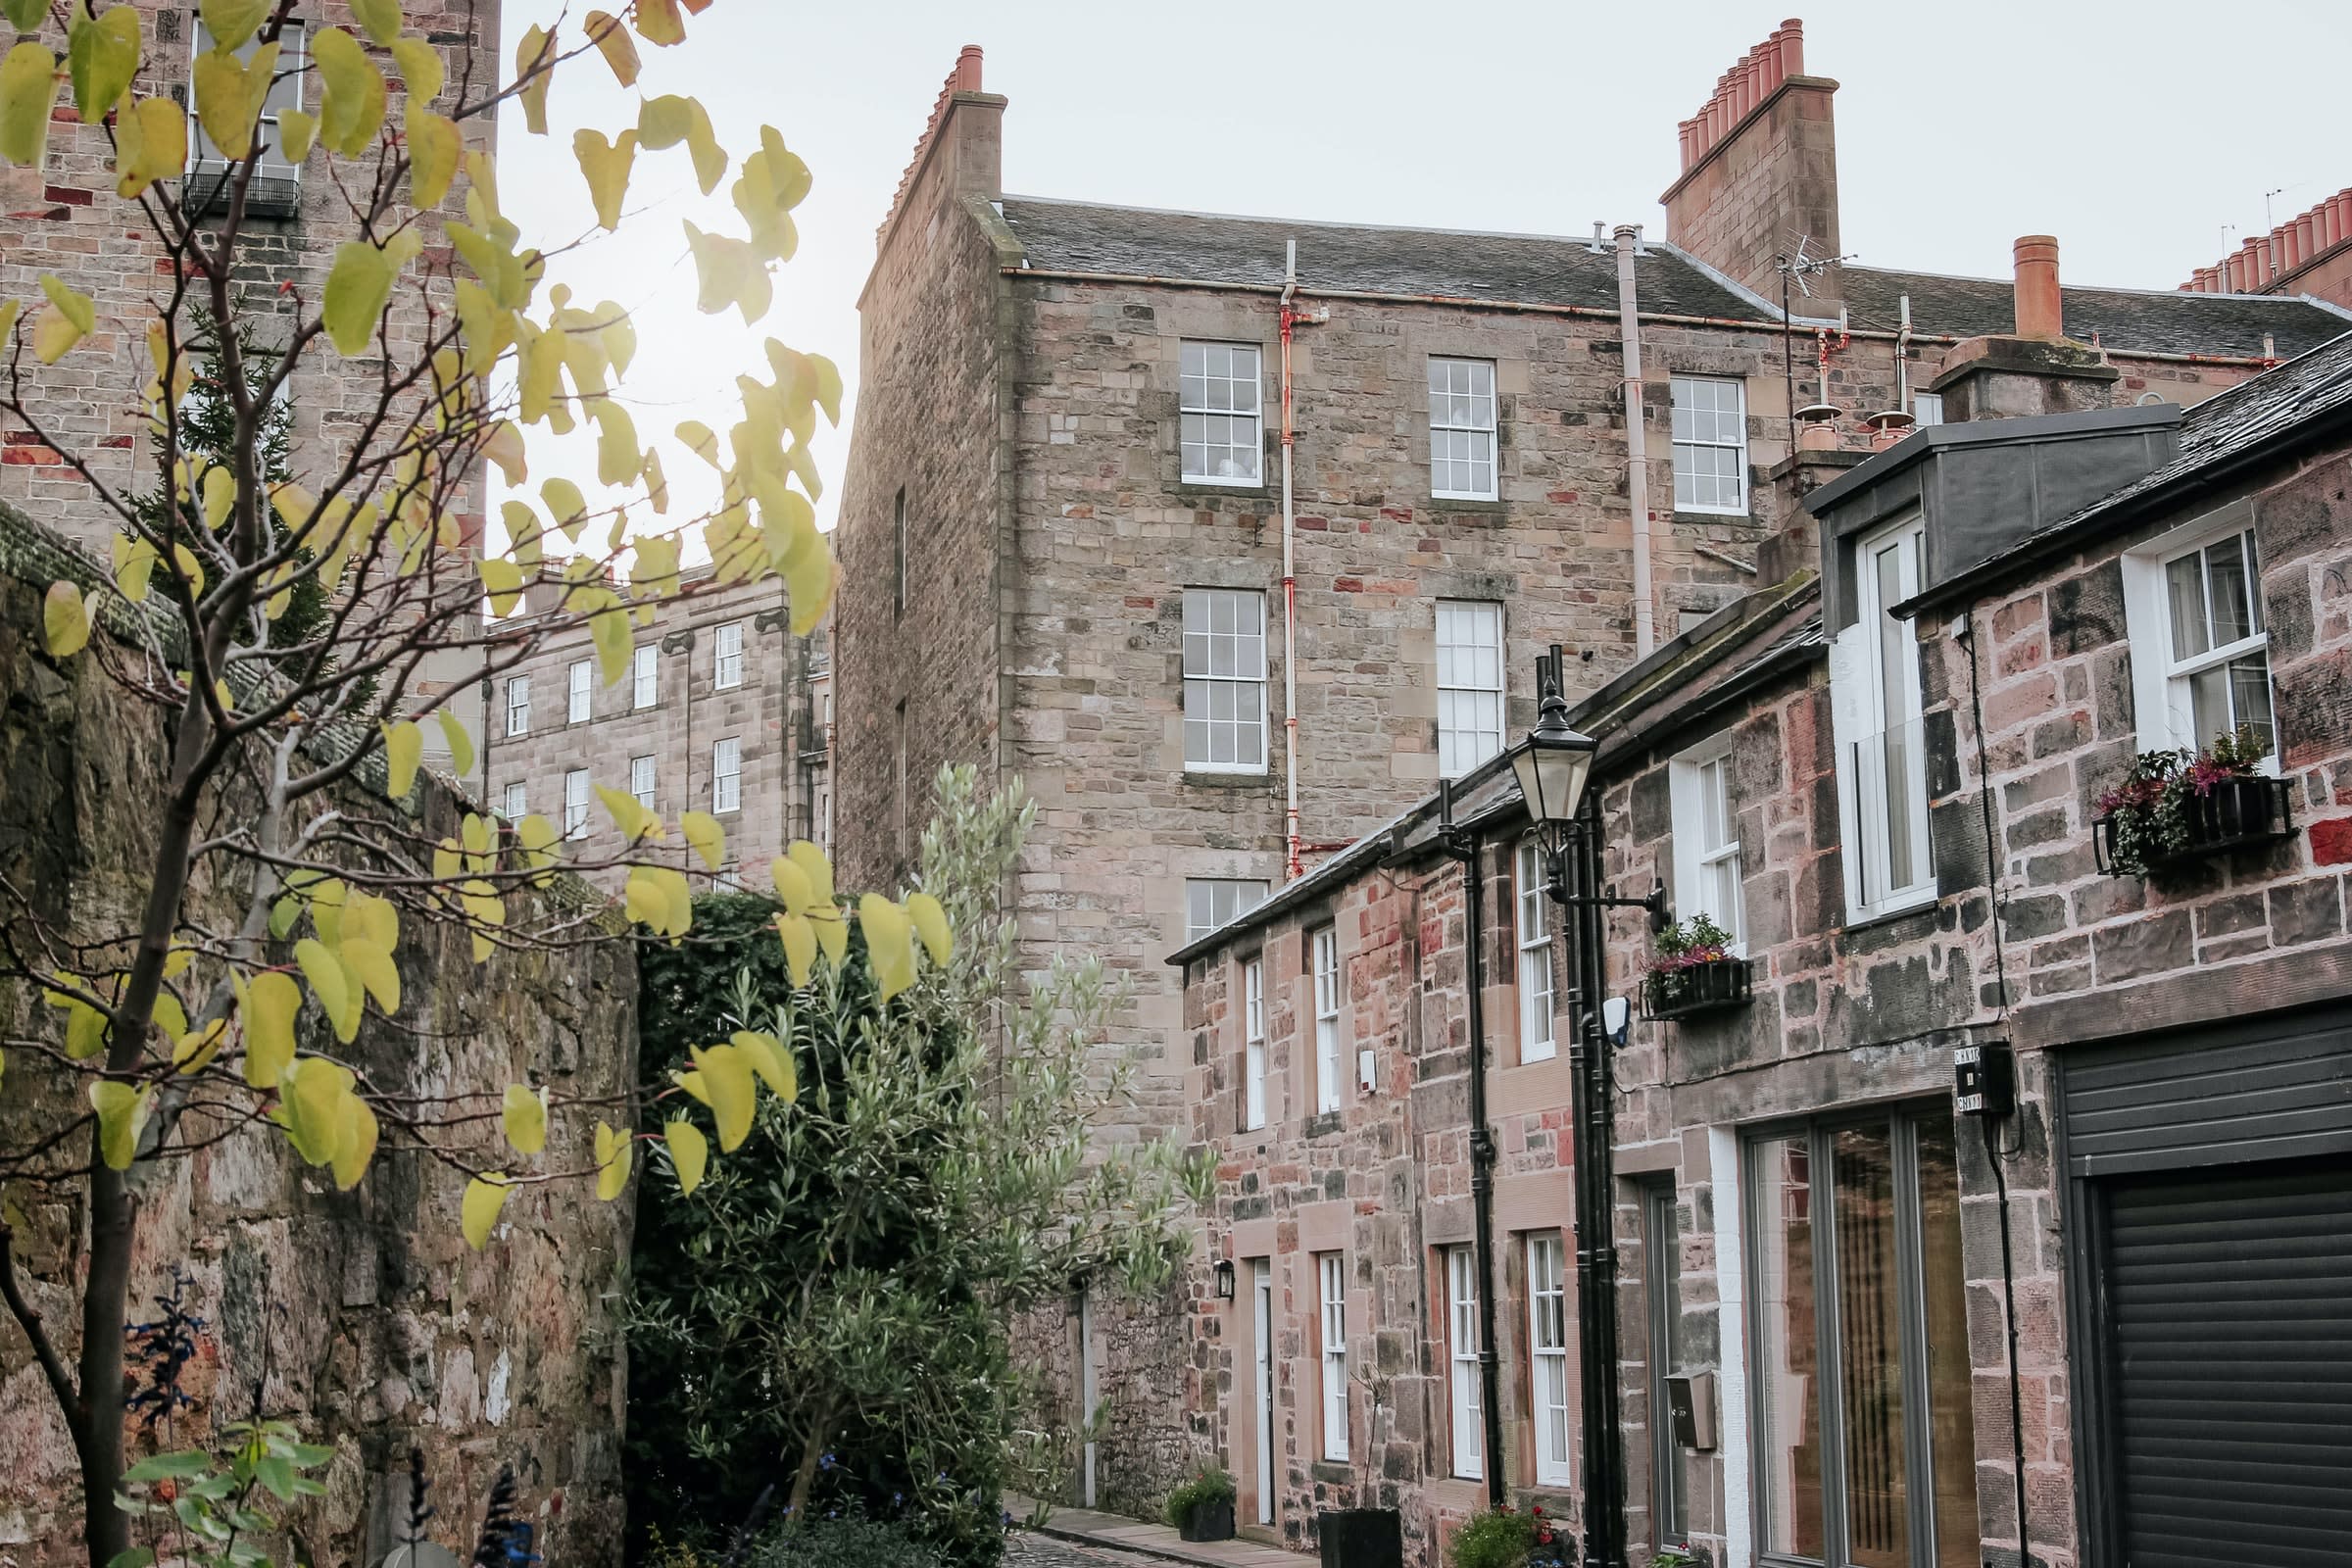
[182,1018]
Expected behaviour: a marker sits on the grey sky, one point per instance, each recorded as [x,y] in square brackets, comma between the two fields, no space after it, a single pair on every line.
[2131,132]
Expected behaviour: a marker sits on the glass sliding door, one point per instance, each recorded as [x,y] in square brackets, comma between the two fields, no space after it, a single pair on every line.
[1866,1456]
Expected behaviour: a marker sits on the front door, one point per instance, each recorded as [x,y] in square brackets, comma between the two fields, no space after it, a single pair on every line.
[1261,1293]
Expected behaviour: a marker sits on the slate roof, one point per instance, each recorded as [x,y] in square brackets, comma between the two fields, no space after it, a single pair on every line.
[2152,320]
[1522,268]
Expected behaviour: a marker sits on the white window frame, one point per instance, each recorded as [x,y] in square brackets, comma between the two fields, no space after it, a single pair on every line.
[726,646]
[285,92]
[1331,1276]
[1462,409]
[1688,439]
[579,692]
[1466,1417]
[645,677]
[726,775]
[575,802]
[1927,409]
[1470,683]
[1220,899]
[643,780]
[519,705]
[2162,702]
[1199,390]
[1253,1043]
[1539,976]
[1548,1364]
[1877,729]
[1703,848]
[1323,950]
[1243,679]
[512,804]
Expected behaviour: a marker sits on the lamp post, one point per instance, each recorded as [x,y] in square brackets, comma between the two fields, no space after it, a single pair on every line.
[1555,767]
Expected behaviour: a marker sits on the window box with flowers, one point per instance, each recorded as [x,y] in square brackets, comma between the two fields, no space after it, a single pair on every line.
[1696,971]
[2179,807]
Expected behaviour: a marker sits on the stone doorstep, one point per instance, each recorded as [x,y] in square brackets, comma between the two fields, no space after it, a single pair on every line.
[1090,1528]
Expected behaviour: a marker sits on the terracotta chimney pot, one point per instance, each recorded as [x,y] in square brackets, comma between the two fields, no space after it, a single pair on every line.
[968,68]
[1793,47]
[2041,310]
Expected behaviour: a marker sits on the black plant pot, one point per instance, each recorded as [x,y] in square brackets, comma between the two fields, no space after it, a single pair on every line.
[1360,1537]
[1701,988]
[1208,1520]
[2236,814]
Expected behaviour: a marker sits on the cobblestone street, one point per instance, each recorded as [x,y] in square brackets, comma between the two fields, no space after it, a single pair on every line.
[1024,1549]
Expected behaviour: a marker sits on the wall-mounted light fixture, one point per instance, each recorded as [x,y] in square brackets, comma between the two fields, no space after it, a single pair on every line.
[1224,1279]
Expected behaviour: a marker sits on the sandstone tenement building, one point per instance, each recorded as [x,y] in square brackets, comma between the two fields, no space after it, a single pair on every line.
[1228,536]
[723,711]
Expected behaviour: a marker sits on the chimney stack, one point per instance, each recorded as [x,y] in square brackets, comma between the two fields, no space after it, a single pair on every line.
[2041,310]
[964,139]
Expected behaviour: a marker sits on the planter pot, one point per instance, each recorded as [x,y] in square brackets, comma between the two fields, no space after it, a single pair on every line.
[1701,988]
[1360,1537]
[1208,1520]
[2236,814]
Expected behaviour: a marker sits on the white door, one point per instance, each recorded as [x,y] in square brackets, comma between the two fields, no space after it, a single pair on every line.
[1261,1290]
[1089,1394]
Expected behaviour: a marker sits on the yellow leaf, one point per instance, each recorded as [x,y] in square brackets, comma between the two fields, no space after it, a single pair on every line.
[566,505]
[502,580]
[69,318]
[122,1118]
[505,448]
[811,583]
[404,747]
[358,285]
[794,890]
[537,50]
[351,108]
[609,629]
[233,22]
[708,839]
[729,273]
[698,438]
[296,130]
[815,868]
[832,935]
[218,490]
[771,1061]
[270,1003]
[134,565]
[931,924]
[85,1026]
[459,743]
[692,1083]
[486,1197]
[27,93]
[628,812]
[689,1152]
[606,164]
[228,96]
[538,838]
[727,1077]
[702,145]
[800,946]
[355,1144]
[312,1104]
[194,1052]
[664,121]
[524,1117]
[65,620]
[616,45]
[380,21]
[434,148]
[613,1151]
[659,22]
[102,55]
[617,460]
[191,571]
[371,963]
[371,918]
[332,985]
[889,944]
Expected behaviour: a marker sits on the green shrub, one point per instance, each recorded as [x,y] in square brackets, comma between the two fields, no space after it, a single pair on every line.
[1210,1486]
[1502,1539]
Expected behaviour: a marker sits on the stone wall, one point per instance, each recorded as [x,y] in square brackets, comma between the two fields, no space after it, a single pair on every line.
[360,1316]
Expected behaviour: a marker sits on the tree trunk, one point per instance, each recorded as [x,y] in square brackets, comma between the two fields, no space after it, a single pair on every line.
[804,1480]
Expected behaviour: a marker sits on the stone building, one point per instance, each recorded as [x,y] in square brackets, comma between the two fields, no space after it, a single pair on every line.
[1885,1318]
[723,711]
[1219,532]
[2311,253]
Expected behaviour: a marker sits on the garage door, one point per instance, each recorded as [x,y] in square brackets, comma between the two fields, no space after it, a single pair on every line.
[2229,1303]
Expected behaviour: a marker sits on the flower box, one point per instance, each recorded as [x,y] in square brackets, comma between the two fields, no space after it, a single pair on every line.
[1688,990]
[2177,808]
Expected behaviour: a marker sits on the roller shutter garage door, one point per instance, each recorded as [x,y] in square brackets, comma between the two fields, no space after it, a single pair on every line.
[2230,1335]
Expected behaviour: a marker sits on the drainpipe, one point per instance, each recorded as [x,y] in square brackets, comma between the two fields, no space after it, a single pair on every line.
[1590,1085]
[1637,454]
[1464,846]
[1293,865]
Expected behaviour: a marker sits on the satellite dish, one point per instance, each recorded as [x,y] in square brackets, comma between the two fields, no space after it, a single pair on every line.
[425,1554]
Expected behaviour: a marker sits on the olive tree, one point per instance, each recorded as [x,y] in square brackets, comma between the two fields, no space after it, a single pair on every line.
[284,881]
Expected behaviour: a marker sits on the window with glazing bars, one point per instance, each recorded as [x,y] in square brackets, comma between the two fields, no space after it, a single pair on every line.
[1331,1275]
[1224,681]
[1466,1418]
[1707,840]
[1211,902]
[1254,1044]
[1461,429]
[1220,410]
[2218,676]
[519,704]
[727,774]
[1548,1358]
[1710,445]
[728,640]
[641,780]
[645,673]
[579,692]
[575,802]
[1324,951]
[1469,684]
[1536,996]
[512,809]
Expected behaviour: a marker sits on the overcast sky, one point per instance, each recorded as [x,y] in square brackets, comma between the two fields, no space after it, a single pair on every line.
[2131,132]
